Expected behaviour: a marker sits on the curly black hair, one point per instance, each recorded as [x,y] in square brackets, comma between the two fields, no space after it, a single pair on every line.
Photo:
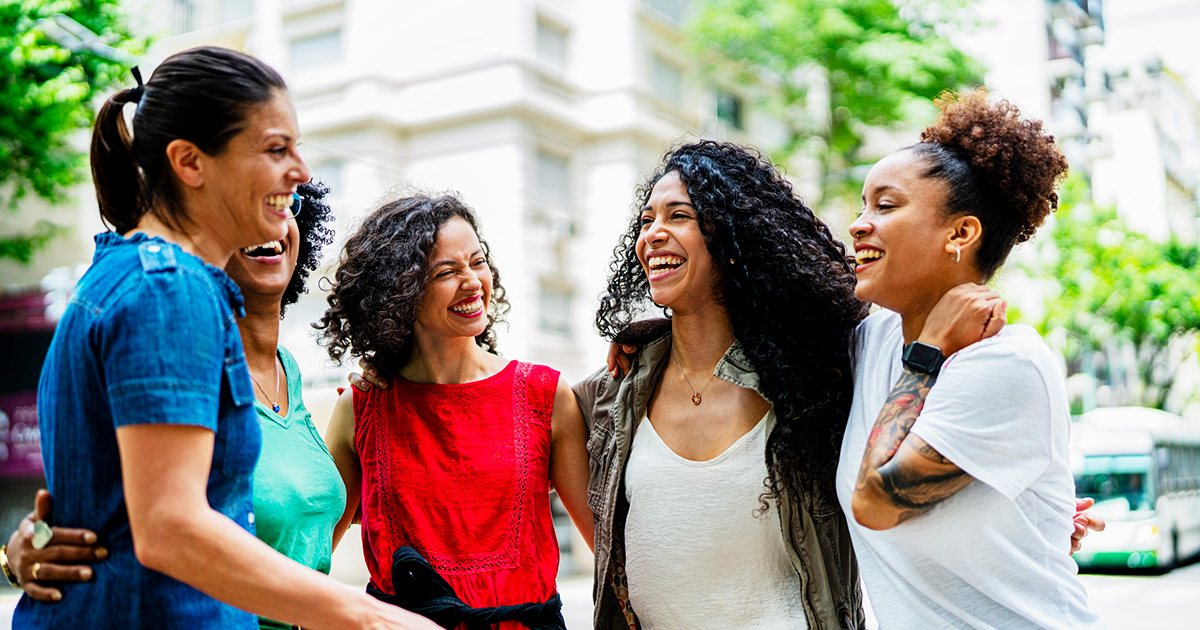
[315,234]
[382,276]
[997,166]
[788,287]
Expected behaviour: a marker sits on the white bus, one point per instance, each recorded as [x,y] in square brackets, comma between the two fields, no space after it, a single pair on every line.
[1142,466]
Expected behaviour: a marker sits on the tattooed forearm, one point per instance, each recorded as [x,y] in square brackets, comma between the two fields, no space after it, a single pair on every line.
[895,485]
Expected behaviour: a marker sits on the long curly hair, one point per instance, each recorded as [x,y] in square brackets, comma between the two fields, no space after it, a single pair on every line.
[788,287]
[996,166]
[383,273]
[315,234]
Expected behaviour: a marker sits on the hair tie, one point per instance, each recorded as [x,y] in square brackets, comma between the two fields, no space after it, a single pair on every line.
[135,95]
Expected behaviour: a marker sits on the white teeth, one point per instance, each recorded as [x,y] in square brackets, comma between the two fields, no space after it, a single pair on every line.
[276,247]
[864,255]
[469,308]
[279,202]
[664,261]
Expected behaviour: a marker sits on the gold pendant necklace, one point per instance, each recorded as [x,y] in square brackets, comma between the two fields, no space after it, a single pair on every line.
[696,394]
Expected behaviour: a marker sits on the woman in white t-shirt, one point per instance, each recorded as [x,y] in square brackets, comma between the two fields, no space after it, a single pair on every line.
[956,470]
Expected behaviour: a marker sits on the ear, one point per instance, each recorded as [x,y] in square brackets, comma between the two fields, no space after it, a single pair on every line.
[186,160]
[965,234]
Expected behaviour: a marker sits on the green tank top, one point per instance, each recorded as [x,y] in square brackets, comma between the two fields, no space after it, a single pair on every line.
[298,494]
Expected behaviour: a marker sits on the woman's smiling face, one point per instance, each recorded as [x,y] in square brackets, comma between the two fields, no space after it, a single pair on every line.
[672,249]
[901,239]
[460,285]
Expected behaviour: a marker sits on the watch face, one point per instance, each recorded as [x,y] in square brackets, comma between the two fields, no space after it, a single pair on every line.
[923,357]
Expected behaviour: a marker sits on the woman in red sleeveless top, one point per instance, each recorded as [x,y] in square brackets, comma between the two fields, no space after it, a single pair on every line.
[456,457]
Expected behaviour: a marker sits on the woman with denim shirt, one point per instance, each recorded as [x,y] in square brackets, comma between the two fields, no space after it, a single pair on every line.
[298,493]
[145,403]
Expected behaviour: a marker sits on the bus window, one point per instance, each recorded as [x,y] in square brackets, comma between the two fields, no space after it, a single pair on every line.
[1119,484]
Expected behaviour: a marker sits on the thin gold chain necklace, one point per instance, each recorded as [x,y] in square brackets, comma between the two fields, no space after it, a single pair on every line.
[696,398]
[274,404]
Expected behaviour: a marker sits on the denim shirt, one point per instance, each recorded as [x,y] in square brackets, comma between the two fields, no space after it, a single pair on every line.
[149,337]
[814,527]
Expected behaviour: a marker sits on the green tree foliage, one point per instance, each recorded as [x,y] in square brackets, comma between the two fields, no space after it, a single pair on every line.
[47,93]
[1118,290]
[872,63]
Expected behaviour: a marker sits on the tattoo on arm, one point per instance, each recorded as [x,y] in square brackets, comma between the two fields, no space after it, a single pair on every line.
[911,489]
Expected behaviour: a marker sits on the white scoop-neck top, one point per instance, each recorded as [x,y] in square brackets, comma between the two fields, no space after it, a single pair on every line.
[700,551]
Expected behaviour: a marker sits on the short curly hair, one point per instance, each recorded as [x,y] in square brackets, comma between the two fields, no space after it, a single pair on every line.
[997,167]
[788,287]
[383,273]
[315,234]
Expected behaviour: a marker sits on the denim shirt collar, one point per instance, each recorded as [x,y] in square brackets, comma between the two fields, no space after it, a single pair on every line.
[109,240]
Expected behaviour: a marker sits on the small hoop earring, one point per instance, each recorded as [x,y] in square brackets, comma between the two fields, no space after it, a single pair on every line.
[957,254]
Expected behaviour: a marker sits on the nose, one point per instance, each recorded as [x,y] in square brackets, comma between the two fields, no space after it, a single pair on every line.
[860,227]
[471,283]
[656,233]
[299,172]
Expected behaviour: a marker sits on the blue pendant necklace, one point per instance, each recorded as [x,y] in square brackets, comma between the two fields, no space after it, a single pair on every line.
[274,403]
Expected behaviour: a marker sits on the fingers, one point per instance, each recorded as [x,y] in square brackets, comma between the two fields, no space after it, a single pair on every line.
[49,572]
[68,554]
[1077,538]
[614,351]
[69,536]
[357,382]
[1083,504]
[41,593]
[42,503]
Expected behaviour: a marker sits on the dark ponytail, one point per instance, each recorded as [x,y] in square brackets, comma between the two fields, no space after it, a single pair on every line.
[113,169]
[202,95]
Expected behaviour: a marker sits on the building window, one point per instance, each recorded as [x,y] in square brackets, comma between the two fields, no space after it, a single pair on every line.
[674,9]
[554,310]
[236,9]
[553,179]
[551,45]
[666,78]
[185,15]
[315,50]
[729,109]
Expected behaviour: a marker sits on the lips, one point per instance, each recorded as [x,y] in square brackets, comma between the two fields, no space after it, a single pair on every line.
[470,307]
[865,255]
[663,264]
[272,248]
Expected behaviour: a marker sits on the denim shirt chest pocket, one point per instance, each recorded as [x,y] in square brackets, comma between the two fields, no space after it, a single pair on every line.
[242,438]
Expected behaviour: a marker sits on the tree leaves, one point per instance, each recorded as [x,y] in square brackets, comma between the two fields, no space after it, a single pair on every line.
[46,97]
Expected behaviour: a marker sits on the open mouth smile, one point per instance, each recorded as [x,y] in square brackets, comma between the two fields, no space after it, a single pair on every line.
[471,307]
[661,266]
[866,256]
[265,252]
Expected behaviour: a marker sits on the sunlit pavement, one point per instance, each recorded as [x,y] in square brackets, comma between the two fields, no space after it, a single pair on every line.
[1124,602]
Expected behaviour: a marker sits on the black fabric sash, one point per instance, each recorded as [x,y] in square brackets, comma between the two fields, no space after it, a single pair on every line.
[421,590]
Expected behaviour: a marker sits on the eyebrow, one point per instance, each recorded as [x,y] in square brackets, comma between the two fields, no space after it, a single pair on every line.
[450,263]
[278,134]
[672,204]
[879,189]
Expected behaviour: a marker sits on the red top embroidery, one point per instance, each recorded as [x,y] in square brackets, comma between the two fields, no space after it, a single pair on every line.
[461,474]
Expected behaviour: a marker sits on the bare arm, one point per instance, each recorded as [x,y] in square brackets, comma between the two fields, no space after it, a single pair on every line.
[339,439]
[165,471]
[569,471]
[901,476]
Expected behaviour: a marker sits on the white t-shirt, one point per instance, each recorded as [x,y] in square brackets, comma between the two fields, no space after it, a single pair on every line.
[997,553]
[700,552]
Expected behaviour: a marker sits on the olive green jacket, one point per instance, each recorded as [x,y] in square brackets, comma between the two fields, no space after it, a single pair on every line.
[814,526]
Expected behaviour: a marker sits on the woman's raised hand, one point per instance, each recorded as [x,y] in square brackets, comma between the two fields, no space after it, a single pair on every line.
[368,378]
[63,559]
[618,358]
[965,314]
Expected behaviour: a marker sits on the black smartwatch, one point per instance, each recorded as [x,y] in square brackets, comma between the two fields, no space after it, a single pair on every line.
[923,358]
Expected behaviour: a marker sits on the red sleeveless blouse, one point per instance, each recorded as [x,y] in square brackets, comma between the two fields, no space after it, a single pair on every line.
[460,472]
